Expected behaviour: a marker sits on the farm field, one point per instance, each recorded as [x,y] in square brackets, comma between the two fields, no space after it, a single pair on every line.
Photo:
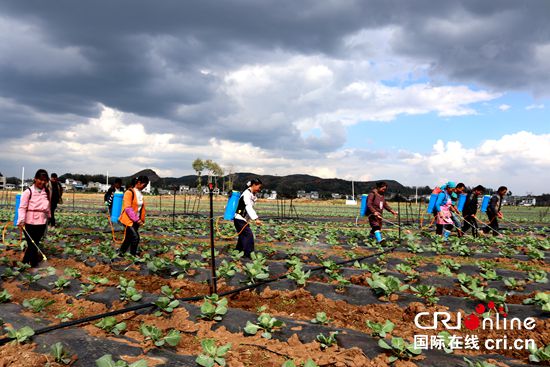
[317,292]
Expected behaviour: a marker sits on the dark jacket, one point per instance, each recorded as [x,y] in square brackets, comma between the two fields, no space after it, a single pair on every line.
[56,192]
[471,204]
[494,205]
[108,197]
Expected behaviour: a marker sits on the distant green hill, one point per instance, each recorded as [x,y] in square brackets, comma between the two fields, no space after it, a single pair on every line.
[286,186]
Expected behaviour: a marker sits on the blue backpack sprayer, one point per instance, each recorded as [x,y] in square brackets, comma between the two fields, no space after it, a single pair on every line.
[363,213]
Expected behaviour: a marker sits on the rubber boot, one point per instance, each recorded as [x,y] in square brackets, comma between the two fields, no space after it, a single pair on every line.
[378,236]
[446,234]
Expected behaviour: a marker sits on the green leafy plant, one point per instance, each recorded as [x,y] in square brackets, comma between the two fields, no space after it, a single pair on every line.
[478,363]
[72,272]
[107,361]
[158,265]
[212,354]
[331,268]
[308,363]
[321,319]
[385,285]
[60,354]
[20,335]
[256,271]
[213,308]
[541,354]
[265,323]
[110,325]
[154,334]
[165,304]
[181,267]
[490,274]
[444,270]
[426,292]
[541,299]
[98,280]
[60,283]
[451,264]
[37,304]
[29,278]
[380,330]
[64,316]
[299,275]
[514,284]
[128,292]
[85,289]
[537,276]
[227,269]
[399,348]
[5,296]
[327,341]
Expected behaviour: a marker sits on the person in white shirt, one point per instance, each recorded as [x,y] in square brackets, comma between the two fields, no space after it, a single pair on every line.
[245,213]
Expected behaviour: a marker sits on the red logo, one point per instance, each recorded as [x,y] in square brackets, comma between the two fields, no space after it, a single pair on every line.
[472,321]
[480,309]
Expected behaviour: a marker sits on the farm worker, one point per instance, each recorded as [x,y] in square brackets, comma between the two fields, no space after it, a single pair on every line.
[470,209]
[245,212]
[459,189]
[493,211]
[133,215]
[443,204]
[376,203]
[34,212]
[108,197]
[56,196]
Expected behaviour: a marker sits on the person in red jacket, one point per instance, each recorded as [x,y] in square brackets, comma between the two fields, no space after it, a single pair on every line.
[33,215]
[376,203]
[133,215]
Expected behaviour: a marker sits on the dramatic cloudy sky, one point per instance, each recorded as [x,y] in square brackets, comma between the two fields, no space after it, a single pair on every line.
[417,91]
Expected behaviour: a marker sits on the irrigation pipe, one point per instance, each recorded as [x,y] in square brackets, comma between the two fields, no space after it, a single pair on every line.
[187,299]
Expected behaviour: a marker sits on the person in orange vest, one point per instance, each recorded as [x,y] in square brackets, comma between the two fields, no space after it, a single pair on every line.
[133,215]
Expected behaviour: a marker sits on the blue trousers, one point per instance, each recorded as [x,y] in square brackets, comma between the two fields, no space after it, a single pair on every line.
[245,242]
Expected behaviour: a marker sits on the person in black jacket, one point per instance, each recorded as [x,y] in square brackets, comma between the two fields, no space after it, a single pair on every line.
[470,210]
[245,213]
[108,197]
[493,211]
[56,197]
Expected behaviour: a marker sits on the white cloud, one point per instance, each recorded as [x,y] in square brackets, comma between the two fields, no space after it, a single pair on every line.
[535,106]
[504,107]
[520,161]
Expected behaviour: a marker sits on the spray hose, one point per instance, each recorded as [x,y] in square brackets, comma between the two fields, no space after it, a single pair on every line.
[217,224]
[187,299]
[34,243]
[113,231]
[5,230]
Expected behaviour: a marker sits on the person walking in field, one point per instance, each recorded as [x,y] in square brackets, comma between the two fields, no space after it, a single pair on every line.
[33,215]
[245,213]
[133,215]
[376,203]
[470,210]
[455,195]
[493,211]
[56,191]
[443,204]
[108,197]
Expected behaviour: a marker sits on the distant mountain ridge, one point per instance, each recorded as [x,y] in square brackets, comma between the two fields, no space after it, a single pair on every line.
[286,186]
